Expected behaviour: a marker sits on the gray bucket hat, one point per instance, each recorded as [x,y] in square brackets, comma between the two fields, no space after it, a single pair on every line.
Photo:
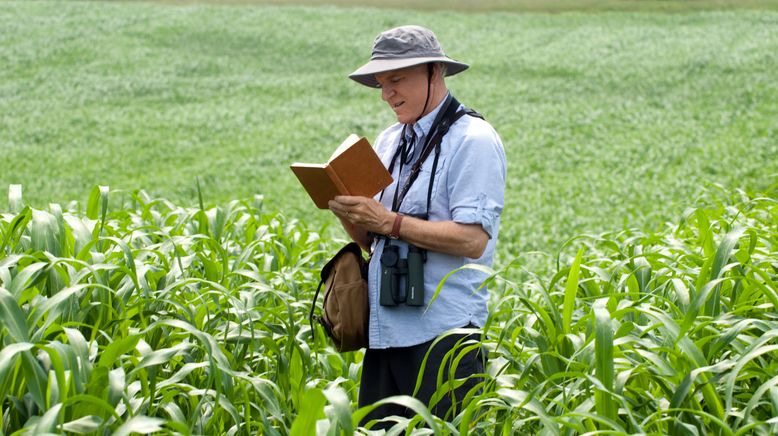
[402,47]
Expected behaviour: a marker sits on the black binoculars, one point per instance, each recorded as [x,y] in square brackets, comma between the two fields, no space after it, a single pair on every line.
[393,268]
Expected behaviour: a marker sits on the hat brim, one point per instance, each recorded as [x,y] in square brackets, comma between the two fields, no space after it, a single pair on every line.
[366,73]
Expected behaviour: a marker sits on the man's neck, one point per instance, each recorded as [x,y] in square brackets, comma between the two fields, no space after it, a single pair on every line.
[438,92]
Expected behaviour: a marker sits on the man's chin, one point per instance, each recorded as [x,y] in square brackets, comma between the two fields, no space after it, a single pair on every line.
[403,119]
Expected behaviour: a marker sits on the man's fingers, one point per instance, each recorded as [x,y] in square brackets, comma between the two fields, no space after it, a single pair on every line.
[341,211]
[349,200]
[336,208]
[361,211]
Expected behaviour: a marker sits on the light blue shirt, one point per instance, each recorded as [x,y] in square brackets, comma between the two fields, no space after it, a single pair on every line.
[468,188]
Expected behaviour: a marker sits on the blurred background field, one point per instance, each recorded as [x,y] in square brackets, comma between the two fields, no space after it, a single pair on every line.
[519,5]
[610,120]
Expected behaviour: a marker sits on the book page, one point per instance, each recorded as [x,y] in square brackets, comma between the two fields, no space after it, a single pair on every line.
[307,165]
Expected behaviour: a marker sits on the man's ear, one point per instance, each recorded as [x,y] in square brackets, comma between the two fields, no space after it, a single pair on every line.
[436,71]
[439,71]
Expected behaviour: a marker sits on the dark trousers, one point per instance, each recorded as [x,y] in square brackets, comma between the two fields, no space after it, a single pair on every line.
[394,371]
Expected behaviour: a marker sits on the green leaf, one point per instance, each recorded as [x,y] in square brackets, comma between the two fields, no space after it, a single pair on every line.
[571,288]
[296,376]
[83,425]
[519,399]
[93,203]
[27,277]
[311,410]
[603,351]
[158,357]
[705,238]
[81,234]
[116,384]
[723,254]
[44,233]
[732,376]
[12,317]
[8,358]
[411,403]
[15,229]
[36,379]
[119,347]
[103,202]
[52,308]
[48,422]
[139,424]
[342,408]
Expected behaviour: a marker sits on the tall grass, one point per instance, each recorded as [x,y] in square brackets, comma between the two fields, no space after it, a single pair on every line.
[154,316]
[671,333]
[133,314]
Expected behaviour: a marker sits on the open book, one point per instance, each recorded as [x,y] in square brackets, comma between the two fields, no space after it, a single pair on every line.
[353,169]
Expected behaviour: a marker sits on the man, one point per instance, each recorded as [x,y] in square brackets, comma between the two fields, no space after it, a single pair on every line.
[445,204]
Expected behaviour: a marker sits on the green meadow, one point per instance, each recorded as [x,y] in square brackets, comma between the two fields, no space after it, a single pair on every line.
[158,257]
[609,120]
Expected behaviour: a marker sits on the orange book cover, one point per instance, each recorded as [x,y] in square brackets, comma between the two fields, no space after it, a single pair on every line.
[353,169]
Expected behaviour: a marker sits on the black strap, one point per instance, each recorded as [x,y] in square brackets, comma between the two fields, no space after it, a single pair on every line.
[446,117]
[432,141]
[437,142]
[448,103]
[311,316]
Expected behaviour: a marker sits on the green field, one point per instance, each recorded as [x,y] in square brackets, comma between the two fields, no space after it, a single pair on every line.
[640,140]
[609,121]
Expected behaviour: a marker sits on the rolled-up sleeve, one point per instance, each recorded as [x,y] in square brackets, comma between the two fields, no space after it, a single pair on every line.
[476,178]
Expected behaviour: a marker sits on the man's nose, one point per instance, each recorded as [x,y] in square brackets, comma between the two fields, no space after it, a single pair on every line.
[386,92]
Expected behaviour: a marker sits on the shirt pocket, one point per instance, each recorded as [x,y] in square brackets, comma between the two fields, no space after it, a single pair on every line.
[415,202]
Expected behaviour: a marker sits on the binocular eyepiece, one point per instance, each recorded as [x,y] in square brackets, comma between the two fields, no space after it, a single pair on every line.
[393,267]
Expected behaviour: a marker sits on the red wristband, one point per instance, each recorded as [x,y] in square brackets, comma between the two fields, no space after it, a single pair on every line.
[395,233]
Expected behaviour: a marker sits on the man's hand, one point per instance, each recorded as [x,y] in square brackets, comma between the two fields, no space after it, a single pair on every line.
[362,212]
[360,215]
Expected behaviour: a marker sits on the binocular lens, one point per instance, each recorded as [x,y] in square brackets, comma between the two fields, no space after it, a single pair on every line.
[390,257]
[393,267]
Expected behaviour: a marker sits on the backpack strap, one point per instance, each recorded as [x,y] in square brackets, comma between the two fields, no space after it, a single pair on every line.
[436,142]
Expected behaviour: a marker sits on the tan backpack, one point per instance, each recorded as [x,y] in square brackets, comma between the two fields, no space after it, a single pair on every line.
[345,307]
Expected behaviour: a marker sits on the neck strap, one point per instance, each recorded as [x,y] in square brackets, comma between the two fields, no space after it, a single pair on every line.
[445,118]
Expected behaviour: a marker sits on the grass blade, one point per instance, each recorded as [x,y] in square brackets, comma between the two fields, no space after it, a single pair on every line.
[603,351]
[571,289]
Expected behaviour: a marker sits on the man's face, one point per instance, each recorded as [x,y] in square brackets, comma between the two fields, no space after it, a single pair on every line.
[405,90]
